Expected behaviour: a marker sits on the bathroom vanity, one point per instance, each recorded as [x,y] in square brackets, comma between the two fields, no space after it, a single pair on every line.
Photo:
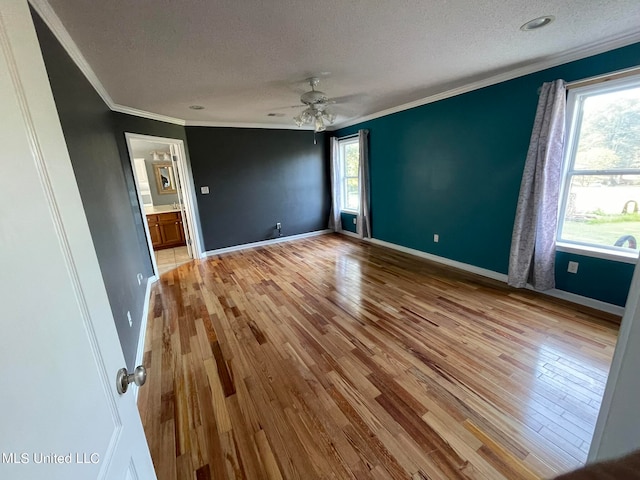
[165,227]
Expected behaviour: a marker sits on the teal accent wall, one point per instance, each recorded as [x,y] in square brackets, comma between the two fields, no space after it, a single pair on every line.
[596,278]
[454,167]
[347,221]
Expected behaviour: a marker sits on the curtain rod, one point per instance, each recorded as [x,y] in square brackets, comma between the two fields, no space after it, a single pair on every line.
[627,72]
[347,136]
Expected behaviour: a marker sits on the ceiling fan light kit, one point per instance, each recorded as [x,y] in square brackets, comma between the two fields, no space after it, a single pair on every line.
[316,113]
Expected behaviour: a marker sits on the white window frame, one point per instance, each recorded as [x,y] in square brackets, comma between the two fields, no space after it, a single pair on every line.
[342,144]
[575,100]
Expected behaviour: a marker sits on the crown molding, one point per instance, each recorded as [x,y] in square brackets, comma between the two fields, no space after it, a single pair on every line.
[148,115]
[271,126]
[52,20]
[549,62]
[54,23]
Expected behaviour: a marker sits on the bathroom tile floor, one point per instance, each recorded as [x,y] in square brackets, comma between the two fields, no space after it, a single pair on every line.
[171,258]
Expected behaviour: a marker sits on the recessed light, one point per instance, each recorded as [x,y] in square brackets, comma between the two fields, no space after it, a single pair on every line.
[537,23]
[196,107]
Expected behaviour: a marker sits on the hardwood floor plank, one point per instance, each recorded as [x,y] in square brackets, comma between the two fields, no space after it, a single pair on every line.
[499,456]
[217,397]
[272,470]
[333,358]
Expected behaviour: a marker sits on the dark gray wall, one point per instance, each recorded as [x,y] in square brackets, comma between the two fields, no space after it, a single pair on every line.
[124,123]
[96,144]
[258,177]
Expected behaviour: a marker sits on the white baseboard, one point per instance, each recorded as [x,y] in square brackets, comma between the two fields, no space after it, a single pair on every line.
[262,243]
[445,261]
[586,301]
[570,297]
[143,327]
[349,234]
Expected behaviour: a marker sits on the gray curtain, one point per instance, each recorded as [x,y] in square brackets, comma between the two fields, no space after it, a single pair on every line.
[363,223]
[335,221]
[533,245]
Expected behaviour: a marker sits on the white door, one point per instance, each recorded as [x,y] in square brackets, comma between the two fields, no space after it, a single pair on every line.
[60,414]
[186,225]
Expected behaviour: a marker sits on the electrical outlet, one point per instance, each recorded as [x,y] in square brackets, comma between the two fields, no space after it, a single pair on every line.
[278,225]
[436,237]
[573,267]
[140,277]
[129,318]
[204,190]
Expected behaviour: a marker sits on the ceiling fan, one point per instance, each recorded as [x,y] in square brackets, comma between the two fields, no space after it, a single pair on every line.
[316,113]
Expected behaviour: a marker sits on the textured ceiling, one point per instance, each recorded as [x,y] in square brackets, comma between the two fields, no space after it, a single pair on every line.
[243,59]
[143,148]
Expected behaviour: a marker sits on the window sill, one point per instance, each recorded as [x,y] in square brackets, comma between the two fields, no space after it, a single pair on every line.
[350,212]
[625,257]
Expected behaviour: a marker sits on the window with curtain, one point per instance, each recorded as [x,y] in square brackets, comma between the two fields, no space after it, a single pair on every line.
[601,189]
[349,152]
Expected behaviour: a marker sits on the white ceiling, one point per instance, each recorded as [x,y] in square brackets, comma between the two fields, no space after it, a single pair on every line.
[243,59]
[143,148]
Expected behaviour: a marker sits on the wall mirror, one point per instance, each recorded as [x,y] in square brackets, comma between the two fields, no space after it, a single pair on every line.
[164,178]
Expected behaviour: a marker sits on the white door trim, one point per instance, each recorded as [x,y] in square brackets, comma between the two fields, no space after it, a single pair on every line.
[186,219]
[189,199]
[136,182]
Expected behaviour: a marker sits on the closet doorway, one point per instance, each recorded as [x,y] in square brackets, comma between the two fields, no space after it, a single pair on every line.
[166,198]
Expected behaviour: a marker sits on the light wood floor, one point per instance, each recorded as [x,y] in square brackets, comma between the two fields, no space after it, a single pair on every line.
[328,358]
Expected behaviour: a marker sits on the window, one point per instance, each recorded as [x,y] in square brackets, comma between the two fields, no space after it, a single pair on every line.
[349,162]
[601,191]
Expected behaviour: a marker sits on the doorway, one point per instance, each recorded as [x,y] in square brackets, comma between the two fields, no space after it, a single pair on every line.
[166,200]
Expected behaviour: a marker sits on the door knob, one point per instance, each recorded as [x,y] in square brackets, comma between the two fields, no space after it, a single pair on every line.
[124,378]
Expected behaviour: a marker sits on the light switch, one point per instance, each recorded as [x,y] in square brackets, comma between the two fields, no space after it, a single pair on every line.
[204,190]
[573,267]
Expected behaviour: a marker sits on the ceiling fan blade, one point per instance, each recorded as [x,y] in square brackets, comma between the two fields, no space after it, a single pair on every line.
[345,111]
[356,97]
[290,106]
